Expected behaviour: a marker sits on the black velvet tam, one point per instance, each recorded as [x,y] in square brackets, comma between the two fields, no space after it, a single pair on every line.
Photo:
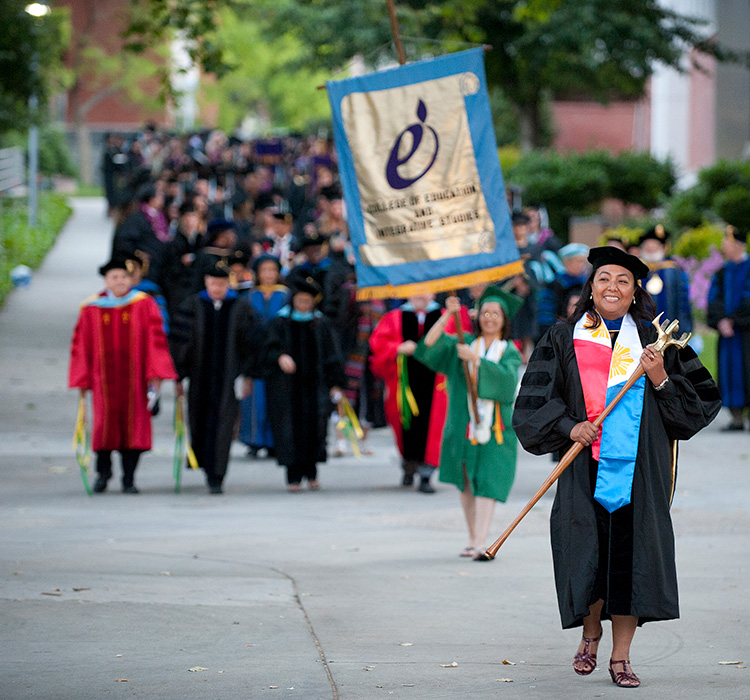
[609,255]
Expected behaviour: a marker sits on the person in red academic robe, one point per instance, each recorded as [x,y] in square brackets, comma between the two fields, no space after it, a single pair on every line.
[119,352]
[398,333]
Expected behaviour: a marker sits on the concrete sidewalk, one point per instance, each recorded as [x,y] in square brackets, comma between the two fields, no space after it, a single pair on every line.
[355,592]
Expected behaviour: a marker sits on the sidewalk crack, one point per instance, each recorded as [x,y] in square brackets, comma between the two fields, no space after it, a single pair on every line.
[310,627]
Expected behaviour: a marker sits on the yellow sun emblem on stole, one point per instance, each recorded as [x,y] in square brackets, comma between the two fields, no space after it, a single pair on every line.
[599,332]
[621,360]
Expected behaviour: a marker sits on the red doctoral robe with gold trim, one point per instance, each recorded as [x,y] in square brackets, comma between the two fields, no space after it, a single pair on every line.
[118,345]
[389,333]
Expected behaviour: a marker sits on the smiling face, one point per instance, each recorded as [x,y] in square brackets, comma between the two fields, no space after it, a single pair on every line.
[491,319]
[613,289]
[117,281]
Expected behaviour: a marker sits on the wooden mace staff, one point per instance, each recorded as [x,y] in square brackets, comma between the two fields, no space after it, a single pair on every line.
[664,340]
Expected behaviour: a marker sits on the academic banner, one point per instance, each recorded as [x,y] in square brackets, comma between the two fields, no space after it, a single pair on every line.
[421,178]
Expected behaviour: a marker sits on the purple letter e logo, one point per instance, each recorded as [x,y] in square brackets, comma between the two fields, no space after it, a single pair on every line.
[394,162]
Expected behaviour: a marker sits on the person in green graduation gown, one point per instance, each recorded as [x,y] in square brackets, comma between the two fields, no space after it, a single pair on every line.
[479,457]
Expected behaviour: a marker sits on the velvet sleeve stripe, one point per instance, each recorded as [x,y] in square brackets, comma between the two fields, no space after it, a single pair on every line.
[536,379]
[529,403]
[544,353]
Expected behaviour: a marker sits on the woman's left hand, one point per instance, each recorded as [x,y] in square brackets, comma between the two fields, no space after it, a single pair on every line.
[466,353]
[652,362]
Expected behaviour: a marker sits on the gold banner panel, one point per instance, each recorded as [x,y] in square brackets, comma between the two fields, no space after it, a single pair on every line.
[436,209]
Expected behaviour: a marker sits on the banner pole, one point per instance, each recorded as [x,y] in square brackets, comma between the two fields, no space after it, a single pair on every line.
[396,33]
[470,386]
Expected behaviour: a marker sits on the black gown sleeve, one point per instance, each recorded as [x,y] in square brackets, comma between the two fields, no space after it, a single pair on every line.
[543,415]
[691,399]
[250,340]
[330,353]
[182,336]
[273,347]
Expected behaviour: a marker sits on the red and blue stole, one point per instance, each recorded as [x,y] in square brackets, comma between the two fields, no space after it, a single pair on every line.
[603,371]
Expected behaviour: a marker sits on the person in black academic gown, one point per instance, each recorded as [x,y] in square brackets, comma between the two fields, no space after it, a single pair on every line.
[303,368]
[613,563]
[215,337]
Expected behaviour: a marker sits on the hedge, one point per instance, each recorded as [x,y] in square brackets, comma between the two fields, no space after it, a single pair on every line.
[21,245]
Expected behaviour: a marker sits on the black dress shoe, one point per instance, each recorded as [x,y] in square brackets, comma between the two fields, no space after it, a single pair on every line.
[425,486]
[130,489]
[408,480]
[215,489]
[101,484]
[732,427]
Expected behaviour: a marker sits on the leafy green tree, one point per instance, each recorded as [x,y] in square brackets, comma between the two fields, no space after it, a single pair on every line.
[596,49]
[99,68]
[30,60]
[722,191]
[262,81]
[541,48]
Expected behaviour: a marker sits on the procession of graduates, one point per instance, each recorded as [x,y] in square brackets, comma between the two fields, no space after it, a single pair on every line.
[237,275]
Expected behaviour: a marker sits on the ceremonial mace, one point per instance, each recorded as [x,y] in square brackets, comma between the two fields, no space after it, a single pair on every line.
[664,340]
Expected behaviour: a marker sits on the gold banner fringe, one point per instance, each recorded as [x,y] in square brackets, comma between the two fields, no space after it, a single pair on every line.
[445,284]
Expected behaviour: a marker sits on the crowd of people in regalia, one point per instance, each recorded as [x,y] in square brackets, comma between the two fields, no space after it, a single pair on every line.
[231,267]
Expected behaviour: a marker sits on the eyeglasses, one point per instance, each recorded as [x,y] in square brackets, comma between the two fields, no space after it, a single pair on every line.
[494,315]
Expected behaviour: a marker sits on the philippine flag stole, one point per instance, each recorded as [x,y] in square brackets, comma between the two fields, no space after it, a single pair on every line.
[603,371]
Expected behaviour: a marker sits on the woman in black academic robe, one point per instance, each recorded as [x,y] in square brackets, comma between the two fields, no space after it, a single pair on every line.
[303,368]
[618,565]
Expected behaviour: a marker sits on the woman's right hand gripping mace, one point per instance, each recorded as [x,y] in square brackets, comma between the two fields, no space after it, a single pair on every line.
[664,341]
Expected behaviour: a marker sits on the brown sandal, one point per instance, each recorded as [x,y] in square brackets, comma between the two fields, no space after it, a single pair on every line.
[586,657]
[625,678]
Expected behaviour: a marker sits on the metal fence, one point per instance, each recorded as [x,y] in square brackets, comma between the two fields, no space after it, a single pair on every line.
[12,168]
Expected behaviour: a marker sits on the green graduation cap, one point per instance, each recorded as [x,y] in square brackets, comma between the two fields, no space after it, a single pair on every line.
[509,302]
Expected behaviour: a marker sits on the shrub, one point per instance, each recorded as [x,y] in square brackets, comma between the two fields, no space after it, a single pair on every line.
[733,206]
[575,183]
[509,156]
[54,153]
[688,209]
[699,242]
[723,191]
[639,178]
[623,233]
[21,245]
[723,175]
[566,185]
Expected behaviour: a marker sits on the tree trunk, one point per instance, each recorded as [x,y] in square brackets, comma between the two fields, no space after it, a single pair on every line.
[83,135]
[529,122]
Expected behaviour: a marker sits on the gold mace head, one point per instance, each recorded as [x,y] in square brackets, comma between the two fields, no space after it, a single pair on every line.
[665,330]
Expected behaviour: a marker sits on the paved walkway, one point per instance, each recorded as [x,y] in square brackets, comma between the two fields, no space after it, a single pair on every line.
[354,592]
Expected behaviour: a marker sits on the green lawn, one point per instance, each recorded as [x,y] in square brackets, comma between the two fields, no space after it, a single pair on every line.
[708,356]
